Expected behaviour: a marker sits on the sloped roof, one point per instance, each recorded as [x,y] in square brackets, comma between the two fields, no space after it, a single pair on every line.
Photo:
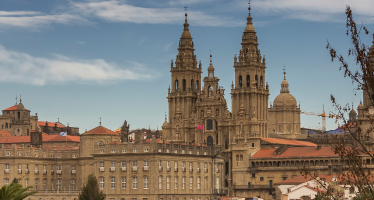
[45,138]
[4,133]
[100,130]
[289,142]
[14,108]
[302,179]
[295,152]
[51,124]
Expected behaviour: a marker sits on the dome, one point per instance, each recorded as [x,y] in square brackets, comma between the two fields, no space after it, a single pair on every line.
[249,28]
[20,107]
[186,34]
[284,82]
[353,113]
[165,124]
[361,106]
[285,99]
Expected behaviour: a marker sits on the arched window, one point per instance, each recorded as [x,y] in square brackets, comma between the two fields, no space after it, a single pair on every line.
[256,80]
[237,157]
[241,157]
[101,144]
[210,91]
[209,124]
[19,115]
[240,81]
[184,84]
[248,81]
[261,81]
[227,144]
[210,141]
[192,83]
[197,85]
[18,130]
[176,85]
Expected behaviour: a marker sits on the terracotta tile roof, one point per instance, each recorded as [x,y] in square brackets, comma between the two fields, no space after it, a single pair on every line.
[46,138]
[51,124]
[289,142]
[14,108]
[4,133]
[296,152]
[302,179]
[100,130]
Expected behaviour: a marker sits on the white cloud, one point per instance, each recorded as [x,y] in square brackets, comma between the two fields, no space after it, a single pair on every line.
[141,41]
[35,20]
[168,46]
[317,10]
[116,11]
[23,68]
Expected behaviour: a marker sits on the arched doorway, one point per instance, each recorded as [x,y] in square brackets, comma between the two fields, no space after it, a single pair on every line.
[210,141]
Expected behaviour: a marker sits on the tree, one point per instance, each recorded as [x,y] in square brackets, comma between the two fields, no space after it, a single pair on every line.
[91,190]
[355,147]
[15,191]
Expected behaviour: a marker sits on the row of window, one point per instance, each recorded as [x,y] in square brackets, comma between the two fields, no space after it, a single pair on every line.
[248,81]
[36,155]
[36,169]
[44,184]
[146,166]
[184,85]
[160,182]
[159,150]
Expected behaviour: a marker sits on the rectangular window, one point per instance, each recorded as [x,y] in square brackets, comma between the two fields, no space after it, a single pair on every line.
[134,165]
[36,169]
[6,166]
[183,182]
[145,182]
[19,166]
[36,184]
[26,182]
[183,166]
[7,181]
[176,183]
[198,167]
[101,183]
[113,182]
[146,166]
[73,187]
[59,183]
[135,183]
[123,182]
[112,164]
[101,164]
[198,183]
[205,167]
[168,182]
[168,165]
[191,183]
[44,184]
[160,182]
[191,166]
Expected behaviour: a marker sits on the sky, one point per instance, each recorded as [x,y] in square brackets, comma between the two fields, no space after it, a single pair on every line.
[77,61]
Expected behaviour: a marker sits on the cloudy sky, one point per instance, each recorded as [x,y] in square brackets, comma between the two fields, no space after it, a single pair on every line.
[84,60]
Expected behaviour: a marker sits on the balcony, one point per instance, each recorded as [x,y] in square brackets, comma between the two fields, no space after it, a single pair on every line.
[183,169]
[59,172]
[112,169]
[198,170]
[134,169]
[191,170]
[206,170]
[217,170]
[52,172]
[123,169]
[168,169]
[145,168]
[101,169]
[175,169]
[27,171]
[36,171]
[6,171]
[73,171]
[20,171]
[160,168]
[44,172]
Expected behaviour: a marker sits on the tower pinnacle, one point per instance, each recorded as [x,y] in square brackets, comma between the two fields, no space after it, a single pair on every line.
[284,72]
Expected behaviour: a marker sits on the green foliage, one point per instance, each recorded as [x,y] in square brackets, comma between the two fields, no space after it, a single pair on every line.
[15,191]
[91,190]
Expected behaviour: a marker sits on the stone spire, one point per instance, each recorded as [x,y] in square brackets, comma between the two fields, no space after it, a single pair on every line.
[249,27]
[284,85]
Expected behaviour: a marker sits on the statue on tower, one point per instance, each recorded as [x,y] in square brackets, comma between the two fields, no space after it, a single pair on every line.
[125,132]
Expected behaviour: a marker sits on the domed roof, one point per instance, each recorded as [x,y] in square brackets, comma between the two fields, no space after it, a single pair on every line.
[361,106]
[20,106]
[353,112]
[284,82]
[285,99]
[249,28]
[165,124]
[186,34]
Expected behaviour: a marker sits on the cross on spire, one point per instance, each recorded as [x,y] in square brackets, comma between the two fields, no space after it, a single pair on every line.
[210,56]
[16,100]
[100,121]
[284,72]
[185,10]
[249,4]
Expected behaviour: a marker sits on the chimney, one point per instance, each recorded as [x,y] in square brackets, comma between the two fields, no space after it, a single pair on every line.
[319,147]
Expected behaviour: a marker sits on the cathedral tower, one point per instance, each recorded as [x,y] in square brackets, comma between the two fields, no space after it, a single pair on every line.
[250,94]
[185,81]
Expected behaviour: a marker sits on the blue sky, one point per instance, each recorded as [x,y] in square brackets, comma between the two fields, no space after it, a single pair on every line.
[82,60]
